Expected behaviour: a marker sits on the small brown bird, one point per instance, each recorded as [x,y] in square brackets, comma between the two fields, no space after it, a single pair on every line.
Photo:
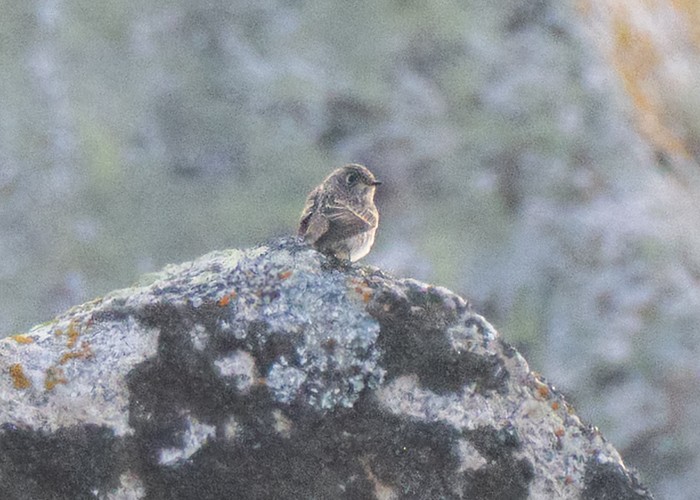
[340,218]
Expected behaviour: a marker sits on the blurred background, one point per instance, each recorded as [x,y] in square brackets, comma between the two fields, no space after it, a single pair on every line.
[539,157]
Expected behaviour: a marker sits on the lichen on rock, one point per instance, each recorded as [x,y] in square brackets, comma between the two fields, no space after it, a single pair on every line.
[272,373]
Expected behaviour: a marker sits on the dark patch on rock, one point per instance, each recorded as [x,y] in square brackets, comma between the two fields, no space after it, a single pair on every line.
[114,313]
[607,481]
[504,476]
[416,459]
[329,457]
[274,346]
[177,382]
[497,481]
[184,373]
[423,305]
[508,350]
[69,463]
[494,444]
[210,315]
[451,372]
[414,341]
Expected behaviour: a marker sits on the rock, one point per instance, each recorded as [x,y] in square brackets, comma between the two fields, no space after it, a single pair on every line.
[269,373]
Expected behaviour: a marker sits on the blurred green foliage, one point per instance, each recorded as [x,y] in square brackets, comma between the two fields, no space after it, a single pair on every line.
[136,135]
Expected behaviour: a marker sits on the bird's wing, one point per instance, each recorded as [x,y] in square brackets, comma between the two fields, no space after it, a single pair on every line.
[312,224]
[348,221]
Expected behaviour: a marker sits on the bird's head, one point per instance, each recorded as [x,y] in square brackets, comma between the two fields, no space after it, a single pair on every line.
[354,180]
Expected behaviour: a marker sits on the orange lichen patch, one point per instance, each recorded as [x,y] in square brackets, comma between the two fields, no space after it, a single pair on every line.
[19,379]
[364,292]
[559,432]
[54,376]
[85,352]
[555,406]
[361,288]
[285,274]
[22,339]
[226,299]
[568,480]
[58,332]
[73,334]
[542,390]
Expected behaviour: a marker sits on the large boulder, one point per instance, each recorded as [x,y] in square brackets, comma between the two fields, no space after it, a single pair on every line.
[272,373]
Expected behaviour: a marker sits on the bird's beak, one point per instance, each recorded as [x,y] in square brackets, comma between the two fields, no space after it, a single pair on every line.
[376,183]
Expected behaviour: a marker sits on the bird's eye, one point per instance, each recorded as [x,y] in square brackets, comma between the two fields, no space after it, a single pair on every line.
[352,178]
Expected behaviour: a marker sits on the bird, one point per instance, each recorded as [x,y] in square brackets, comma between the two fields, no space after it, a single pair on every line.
[340,218]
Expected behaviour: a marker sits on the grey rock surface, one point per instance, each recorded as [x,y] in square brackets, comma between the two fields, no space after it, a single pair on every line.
[269,373]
